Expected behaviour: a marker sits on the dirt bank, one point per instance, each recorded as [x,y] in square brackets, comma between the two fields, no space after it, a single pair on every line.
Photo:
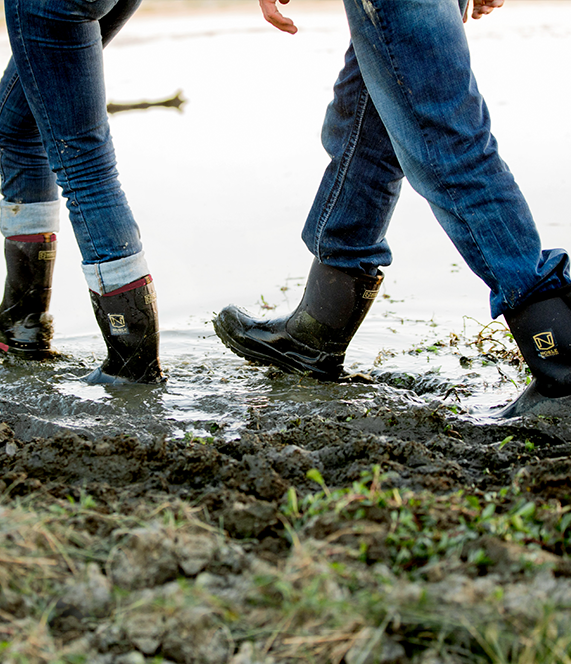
[385,529]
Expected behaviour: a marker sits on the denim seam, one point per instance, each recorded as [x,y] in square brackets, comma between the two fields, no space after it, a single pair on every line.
[346,159]
[9,89]
[71,198]
[382,36]
[99,277]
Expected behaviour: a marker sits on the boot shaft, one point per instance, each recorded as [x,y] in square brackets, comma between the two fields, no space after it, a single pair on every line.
[334,305]
[30,261]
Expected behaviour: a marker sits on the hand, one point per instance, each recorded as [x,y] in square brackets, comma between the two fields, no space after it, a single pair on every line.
[483,7]
[273,16]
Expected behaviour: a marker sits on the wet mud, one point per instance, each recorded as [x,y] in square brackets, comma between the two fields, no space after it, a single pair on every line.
[238,490]
[419,446]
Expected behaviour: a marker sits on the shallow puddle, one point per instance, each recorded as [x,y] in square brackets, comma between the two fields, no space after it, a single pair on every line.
[211,390]
[221,189]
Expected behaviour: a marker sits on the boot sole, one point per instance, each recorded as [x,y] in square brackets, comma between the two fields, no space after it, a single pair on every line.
[27,354]
[99,377]
[532,402]
[270,357]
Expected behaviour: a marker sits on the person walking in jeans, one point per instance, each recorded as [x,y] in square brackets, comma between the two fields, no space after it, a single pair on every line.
[406,104]
[54,131]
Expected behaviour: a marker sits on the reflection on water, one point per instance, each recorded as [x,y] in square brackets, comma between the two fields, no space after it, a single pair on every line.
[211,390]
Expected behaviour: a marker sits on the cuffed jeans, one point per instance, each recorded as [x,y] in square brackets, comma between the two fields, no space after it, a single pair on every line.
[54,130]
[407,104]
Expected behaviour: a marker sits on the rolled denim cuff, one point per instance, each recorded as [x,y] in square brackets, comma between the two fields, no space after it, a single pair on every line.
[106,277]
[29,218]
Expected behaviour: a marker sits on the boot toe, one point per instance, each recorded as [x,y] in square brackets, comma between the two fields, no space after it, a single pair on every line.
[268,342]
[532,402]
[99,377]
[231,325]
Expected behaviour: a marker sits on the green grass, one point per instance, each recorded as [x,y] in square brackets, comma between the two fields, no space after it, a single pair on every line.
[423,530]
[398,571]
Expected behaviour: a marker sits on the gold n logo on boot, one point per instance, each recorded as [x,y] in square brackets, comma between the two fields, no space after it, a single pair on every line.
[370,294]
[545,344]
[47,255]
[117,324]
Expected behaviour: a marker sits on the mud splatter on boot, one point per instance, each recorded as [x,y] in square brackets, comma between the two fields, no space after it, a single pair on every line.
[26,327]
[128,320]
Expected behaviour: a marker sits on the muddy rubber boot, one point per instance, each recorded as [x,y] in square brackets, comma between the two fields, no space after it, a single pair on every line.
[315,336]
[542,330]
[128,319]
[26,327]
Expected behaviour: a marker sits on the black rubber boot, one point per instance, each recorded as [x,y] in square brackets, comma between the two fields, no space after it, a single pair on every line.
[315,336]
[26,327]
[542,329]
[129,322]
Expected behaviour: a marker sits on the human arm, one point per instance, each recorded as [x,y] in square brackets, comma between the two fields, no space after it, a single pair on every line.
[273,16]
[483,7]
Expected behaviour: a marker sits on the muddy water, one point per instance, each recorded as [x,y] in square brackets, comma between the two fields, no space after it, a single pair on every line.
[221,191]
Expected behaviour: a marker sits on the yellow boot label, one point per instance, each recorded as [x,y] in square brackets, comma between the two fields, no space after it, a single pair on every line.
[47,255]
[545,344]
[370,294]
[117,324]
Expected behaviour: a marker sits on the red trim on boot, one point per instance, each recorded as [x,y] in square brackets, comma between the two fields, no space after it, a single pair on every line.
[134,284]
[4,347]
[39,237]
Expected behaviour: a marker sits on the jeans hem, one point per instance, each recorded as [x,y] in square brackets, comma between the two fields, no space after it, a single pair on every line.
[29,218]
[106,277]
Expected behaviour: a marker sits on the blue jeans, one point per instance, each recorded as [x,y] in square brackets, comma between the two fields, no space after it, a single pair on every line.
[54,130]
[406,104]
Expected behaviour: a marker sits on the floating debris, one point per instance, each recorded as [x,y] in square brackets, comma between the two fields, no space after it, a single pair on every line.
[177,101]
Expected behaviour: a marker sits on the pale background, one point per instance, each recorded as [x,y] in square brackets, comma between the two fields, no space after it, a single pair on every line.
[221,189]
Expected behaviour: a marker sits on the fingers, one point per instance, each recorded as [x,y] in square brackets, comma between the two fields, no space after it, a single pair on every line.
[484,7]
[273,16]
